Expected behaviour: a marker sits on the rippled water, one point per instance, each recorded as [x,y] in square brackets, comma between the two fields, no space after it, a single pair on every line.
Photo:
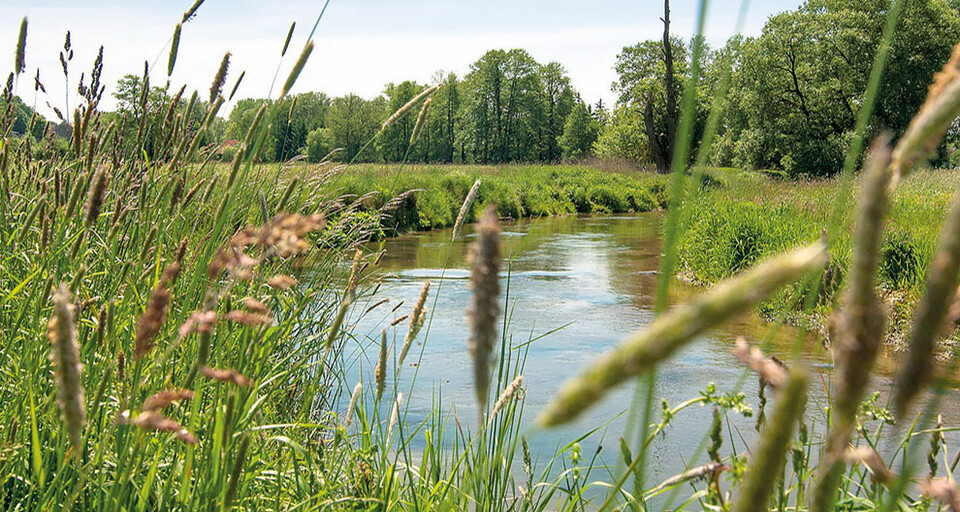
[594,278]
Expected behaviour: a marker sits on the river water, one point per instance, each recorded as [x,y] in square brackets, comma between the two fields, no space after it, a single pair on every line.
[593,277]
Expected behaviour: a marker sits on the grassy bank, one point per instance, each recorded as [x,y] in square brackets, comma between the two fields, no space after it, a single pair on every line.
[752,215]
[517,191]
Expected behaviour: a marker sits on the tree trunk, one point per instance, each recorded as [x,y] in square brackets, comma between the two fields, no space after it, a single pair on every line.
[668,84]
[660,154]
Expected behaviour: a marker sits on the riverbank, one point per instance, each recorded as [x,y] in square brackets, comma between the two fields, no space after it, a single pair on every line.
[752,215]
[519,191]
[740,218]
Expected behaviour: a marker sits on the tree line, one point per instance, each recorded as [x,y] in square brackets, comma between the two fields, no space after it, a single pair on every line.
[507,108]
[793,99]
[795,90]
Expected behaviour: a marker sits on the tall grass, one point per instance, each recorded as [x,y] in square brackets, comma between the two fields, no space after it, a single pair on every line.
[749,216]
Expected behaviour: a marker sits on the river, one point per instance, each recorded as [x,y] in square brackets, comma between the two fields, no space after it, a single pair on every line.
[594,278]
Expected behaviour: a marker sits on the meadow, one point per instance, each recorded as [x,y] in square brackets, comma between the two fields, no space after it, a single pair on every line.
[747,216]
[425,197]
[175,332]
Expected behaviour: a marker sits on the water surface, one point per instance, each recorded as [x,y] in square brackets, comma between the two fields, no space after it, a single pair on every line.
[593,278]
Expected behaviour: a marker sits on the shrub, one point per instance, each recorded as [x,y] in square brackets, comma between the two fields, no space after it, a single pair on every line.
[228,153]
[900,261]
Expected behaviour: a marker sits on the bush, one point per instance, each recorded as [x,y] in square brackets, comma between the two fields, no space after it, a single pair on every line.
[815,157]
[900,261]
[228,153]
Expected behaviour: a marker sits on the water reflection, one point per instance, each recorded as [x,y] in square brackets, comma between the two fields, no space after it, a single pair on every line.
[595,277]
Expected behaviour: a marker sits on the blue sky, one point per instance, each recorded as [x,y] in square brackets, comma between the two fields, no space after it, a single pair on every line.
[360,44]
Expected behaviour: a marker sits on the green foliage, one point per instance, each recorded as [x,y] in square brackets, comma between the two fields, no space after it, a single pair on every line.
[442,140]
[797,87]
[579,133]
[518,191]
[25,119]
[753,216]
[642,90]
[395,139]
[297,117]
[623,137]
[276,438]
[320,143]
[353,121]
[515,108]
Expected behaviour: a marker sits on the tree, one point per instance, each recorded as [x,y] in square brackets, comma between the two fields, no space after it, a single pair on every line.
[353,121]
[240,120]
[23,116]
[394,142]
[144,121]
[320,143]
[445,117]
[648,81]
[558,101]
[298,116]
[798,87]
[515,108]
[129,92]
[579,133]
[623,137]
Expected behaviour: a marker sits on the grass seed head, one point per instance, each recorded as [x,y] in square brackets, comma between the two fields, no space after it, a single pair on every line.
[465,208]
[281,282]
[771,372]
[508,393]
[394,415]
[64,354]
[417,319]
[199,321]
[96,194]
[152,320]
[156,422]
[426,93]
[943,490]
[219,78]
[226,375]
[421,121]
[354,399]
[20,61]
[248,318]
[165,399]
[380,373]
[484,308]
[297,68]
